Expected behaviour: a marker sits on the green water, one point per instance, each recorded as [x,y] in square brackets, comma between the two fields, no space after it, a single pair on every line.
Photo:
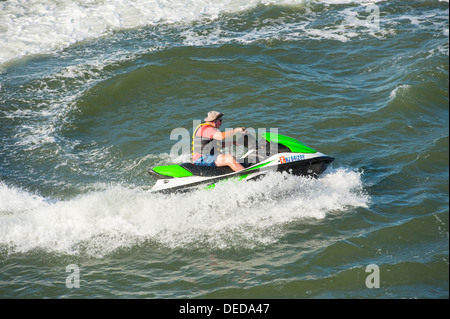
[82,123]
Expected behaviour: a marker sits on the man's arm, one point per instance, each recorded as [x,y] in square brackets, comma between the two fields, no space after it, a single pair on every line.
[224,135]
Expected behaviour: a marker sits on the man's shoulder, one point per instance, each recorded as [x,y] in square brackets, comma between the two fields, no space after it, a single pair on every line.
[207,131]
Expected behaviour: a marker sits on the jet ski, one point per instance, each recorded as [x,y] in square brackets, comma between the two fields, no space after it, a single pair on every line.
[272,153]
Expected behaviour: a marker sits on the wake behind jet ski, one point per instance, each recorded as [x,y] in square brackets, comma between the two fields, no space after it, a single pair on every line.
[273,152]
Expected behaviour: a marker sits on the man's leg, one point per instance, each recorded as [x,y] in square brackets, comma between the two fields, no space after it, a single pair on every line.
[228,160]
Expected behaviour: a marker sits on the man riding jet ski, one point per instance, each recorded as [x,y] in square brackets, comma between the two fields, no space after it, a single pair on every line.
[207,142]
[272,152]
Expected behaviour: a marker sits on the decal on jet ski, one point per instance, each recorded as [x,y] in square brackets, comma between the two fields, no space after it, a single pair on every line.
[289,159]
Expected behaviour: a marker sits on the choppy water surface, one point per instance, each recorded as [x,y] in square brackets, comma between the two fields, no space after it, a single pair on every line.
[90,92]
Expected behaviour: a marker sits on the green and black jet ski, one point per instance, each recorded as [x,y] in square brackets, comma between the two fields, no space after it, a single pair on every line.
[273,152]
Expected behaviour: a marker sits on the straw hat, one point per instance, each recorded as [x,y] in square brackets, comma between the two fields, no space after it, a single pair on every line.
[213,115]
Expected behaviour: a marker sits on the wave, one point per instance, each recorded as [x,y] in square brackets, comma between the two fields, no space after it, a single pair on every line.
[399,90]
[44,27]
[39,27]
[240,215]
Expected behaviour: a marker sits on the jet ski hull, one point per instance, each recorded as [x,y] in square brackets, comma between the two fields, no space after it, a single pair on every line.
[193,176]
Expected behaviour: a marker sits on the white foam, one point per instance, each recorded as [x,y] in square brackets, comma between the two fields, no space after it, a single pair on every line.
[349,24]
[45,26]
[14,200]
[231,215]
[42,27]
[397,90]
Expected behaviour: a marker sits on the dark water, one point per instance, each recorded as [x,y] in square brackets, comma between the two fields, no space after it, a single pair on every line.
[91,91]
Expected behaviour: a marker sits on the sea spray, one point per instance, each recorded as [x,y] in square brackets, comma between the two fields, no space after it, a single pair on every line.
[234,214]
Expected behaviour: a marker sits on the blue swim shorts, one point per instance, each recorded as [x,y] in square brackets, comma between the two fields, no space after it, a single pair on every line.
[206,160]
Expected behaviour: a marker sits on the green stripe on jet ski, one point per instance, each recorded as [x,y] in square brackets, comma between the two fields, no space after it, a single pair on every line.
[294,145]
[237,178]
[258,166]
[172,171]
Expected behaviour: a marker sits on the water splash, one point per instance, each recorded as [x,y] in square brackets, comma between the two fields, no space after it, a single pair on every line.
[232,214]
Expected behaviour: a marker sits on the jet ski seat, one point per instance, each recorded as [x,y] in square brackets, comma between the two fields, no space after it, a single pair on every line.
[206,170]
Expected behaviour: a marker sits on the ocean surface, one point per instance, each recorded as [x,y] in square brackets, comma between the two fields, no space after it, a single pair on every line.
[91,92]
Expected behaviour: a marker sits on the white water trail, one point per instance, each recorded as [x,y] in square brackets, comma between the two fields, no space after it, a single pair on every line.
[231,215]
